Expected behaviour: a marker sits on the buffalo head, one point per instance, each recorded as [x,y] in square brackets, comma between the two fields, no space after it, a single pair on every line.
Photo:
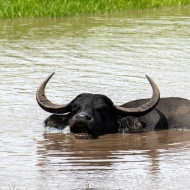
[90,115]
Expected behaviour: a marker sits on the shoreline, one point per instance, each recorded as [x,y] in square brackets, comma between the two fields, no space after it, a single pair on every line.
[35,9]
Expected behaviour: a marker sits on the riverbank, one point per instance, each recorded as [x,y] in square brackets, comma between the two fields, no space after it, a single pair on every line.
[64,8]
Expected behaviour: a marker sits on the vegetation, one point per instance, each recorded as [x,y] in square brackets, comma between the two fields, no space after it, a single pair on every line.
[60,8]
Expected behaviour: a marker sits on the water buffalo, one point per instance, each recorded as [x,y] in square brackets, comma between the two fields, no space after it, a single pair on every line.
[90,115]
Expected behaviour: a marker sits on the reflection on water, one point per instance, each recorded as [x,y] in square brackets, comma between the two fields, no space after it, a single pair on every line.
[109,54]
[115,159]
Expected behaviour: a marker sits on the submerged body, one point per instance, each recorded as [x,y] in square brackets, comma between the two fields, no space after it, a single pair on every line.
[170,113]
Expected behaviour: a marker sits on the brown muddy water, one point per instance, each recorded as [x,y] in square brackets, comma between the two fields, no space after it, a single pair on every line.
[108,54]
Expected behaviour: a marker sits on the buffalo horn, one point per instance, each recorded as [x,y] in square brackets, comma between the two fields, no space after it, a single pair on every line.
[46,104]
[145,108]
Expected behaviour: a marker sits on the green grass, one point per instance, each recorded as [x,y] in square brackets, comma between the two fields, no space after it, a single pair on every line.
[63,8]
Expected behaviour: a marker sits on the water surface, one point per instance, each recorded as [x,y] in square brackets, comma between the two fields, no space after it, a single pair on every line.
[108,54]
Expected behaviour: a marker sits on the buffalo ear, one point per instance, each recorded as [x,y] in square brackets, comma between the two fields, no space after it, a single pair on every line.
[56,121]
[131,125]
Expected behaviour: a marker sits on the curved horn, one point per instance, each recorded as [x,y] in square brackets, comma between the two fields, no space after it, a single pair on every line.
[145,108]
[44,103]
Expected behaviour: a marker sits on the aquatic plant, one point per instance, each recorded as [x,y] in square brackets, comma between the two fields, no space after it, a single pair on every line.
[60,8]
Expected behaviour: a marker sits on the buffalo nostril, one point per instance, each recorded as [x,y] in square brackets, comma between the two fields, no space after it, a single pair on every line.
[88,117]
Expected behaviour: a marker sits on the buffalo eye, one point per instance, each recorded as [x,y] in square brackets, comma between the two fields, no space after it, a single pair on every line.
[75,107]
[102,108]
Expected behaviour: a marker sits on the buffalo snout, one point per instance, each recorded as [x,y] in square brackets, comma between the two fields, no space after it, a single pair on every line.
[83,116]
[81,124]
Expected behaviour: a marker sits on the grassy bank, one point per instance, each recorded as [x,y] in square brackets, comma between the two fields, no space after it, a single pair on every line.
[59,8]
